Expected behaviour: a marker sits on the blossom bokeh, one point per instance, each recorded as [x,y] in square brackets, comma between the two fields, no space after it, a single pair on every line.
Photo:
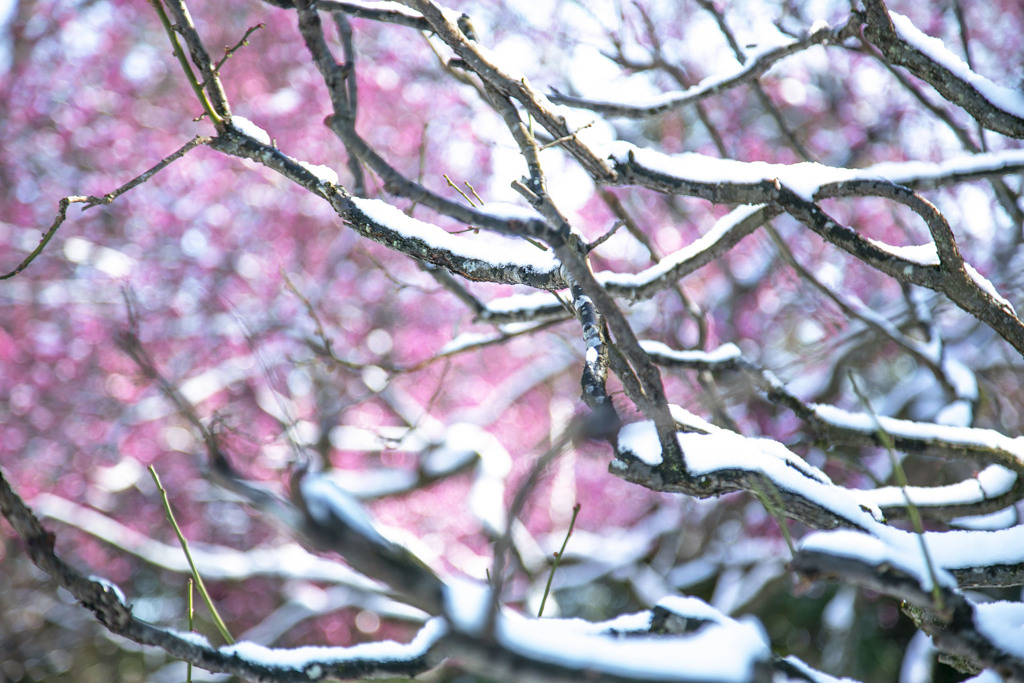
[294,337]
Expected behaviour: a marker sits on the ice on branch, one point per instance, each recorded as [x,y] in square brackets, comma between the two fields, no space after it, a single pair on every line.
[1007,99]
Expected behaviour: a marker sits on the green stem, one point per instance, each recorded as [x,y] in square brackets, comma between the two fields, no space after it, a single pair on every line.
[200,586]
[185,66]
[558,559]
[901,480]
[775,505]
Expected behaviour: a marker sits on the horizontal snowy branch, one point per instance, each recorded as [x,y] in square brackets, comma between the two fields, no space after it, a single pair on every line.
[760,61]
[996,107]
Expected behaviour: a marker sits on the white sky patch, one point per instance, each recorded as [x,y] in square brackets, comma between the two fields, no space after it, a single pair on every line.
[495,250]
[247,127]
[507,211]
[1007,99]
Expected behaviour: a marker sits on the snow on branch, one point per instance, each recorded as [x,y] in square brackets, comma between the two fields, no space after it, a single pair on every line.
[979,635]
[759,63]
[750,182]
[996,107]
[506,260]
[793,187]
[986,444]
[721,461]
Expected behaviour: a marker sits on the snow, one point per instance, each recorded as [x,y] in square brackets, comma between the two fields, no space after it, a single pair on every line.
[494,250]
[916,172]
[723,354]
[723,652]
[986,676]
[804,178]
[907,557]
[691,608]
[326,174]
[970,548]
[665,266]
[330,504]
[947,550]
[725,450]
[991,482]
[250,129]
[988,287]
[387,6]
[522,302]
[641,439]
[692,422]
[289,561]
[967,437]
[510,212]
[924,254]
[110,586]
[812,675]
[1007,99]
[306,658]
[467,604]
[818,25]
[637,103]
[725,649]
[1003,624]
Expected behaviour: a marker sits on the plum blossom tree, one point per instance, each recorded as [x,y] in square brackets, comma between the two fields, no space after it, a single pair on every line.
[449,333]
